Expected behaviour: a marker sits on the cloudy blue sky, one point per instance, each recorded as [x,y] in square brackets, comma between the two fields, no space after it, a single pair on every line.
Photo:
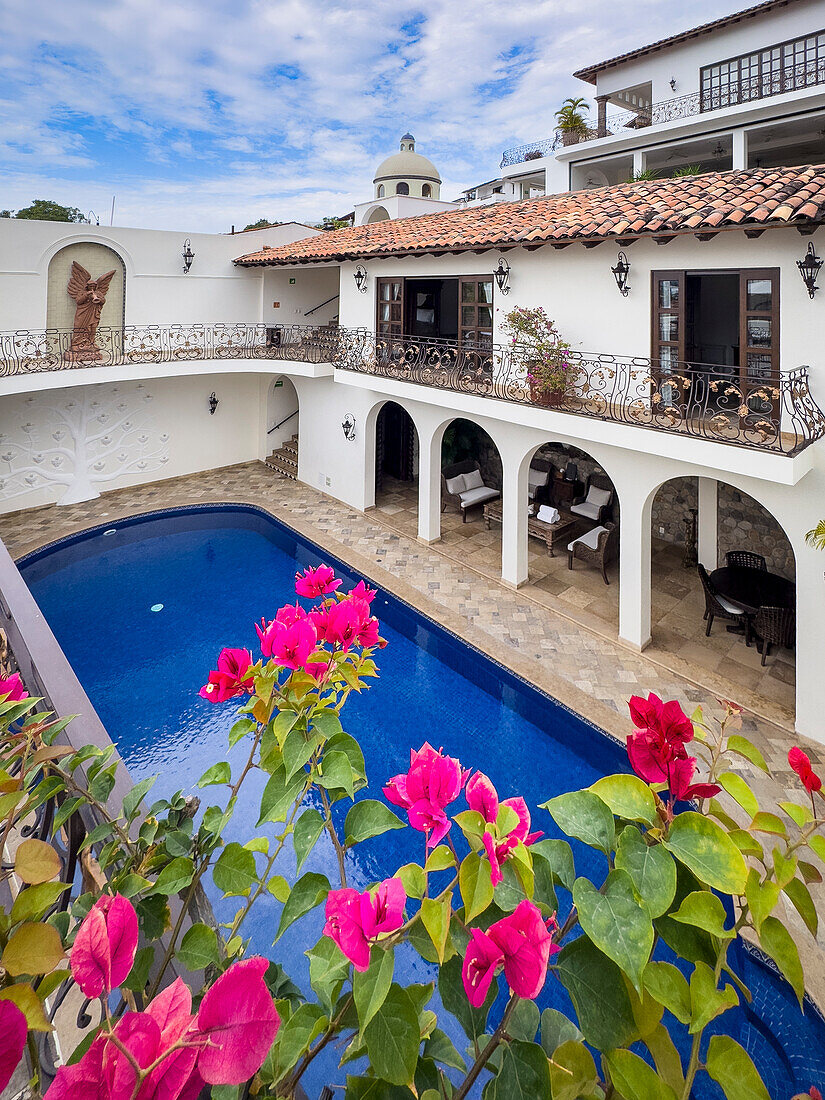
[202,113]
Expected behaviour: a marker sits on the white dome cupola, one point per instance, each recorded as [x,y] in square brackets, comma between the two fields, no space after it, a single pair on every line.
[407,173]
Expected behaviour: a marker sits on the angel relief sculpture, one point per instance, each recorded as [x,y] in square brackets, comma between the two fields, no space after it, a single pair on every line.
[90,295]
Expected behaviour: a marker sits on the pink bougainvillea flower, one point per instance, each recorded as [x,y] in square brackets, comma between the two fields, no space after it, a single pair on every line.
[481,961]
[345,620]
[11,687]
[231,678]
[363,592]
[85,1079]
[497,853]
[12,1040]
[521,941]
[104,947]
[801,764]
[290,613]
[663,731]
[431,784]
[680,786]
[289,646]
[236,1024]
[140,1035]
[354,920]
[313,583]
[482,797]
[319,617]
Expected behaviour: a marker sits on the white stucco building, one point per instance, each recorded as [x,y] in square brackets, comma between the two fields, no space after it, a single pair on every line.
[708,372]
[405,184]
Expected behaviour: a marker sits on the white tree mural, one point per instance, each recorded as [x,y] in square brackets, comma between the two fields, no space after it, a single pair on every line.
[92,437]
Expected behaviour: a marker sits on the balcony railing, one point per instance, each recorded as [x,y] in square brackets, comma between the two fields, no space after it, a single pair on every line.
[775,413]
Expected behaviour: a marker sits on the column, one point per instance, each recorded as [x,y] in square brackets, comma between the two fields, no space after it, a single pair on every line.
[639,161]
[707,522]
[810,641]
[601,125]
[429,489]
[514,524]
[634,573]
[740,149]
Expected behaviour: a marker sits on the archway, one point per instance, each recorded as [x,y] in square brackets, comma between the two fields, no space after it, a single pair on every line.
[472,482]
[396,466]
[282,415]
[696,520]
[379,214]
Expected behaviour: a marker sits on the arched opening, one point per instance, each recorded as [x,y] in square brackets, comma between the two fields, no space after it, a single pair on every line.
[472,480]
[103,326]
[281,444]
[722,571]
[426,191]
[379,214]
[573,503]
[402,188]
[380,193]
[396,466]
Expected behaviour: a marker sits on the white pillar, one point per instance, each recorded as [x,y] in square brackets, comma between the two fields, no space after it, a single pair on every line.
[708,522]
[639,161]
[514,523]
[740,149]
[634,572]
[810,641]
[429,489]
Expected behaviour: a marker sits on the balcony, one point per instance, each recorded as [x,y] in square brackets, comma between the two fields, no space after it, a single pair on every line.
[776,415]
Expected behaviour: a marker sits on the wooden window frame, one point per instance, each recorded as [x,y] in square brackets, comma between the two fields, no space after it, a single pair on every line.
[395,329]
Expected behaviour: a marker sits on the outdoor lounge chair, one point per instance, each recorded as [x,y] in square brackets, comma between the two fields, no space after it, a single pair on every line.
[597,502]
[716,606]
[538,481]
[462,488]
[598,547]
[745,559]
[775,626]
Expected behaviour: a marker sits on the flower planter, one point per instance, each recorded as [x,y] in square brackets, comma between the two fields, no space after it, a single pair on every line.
[547,398]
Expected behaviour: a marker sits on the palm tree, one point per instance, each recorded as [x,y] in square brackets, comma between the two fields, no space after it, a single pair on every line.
[816,538]
[570,116]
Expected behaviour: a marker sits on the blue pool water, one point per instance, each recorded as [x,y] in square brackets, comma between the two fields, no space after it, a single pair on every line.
[141,611]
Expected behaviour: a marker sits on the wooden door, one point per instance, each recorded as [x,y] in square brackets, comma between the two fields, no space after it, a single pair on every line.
[475,306]
[390,307]
[668,337]
[759,338]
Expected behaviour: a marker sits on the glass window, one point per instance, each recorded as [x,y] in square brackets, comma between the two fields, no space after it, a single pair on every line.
[485,291]
[468,292]
[668,293]
[760,366]
[668,360]
[759,296]
[468,316]
[759,332]
[485,317]
[385,311]
[402,189]
[668,327]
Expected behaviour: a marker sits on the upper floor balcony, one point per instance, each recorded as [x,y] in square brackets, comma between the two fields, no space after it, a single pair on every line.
[775,413]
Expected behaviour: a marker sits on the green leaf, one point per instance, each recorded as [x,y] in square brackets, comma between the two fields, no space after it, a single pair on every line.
[240,729]
[297,749]
[435,916]
[199,948]
[739,791]
[29,1003]
[413,880]
[784,868]
[439,859]
[524,1074]
[708,852]
[616,923]
[669,987]
[296,1035]
[32,949]
[440,1048]
[628,797]
[327,723]
[475,884]
[651,869]
[555,1030]
[454,999]
[800,815]
[218,774]
[634,1079]
[598,994]
[524,1021]
[278,887]
[776,940]
[800,895]
[33,903]
[371,987]
[706,1001]
[572,1071]
[308,828]
[393,1037]
[278,795]
[310,890]
[704,910]
[368,818]
[174,877]
[335,773]
[585,816]
[559,855]
[136,795]
[328,970]
[817,845]
[544,884]
[371,1088]
[764,822]
[743,747]
[235,874]
[342,742]
[731,1068]
[35,861]
[762,897]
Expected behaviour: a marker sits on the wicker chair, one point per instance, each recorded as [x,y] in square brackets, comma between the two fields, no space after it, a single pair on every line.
[717,607]
[539,477]
[459,497]
[745,559]
[599,510]
[775,626]
[598,547]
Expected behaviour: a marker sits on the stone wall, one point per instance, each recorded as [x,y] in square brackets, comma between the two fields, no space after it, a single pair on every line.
[671,506]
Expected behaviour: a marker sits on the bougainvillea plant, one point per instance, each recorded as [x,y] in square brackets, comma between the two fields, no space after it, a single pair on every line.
[532,332]
[690,863]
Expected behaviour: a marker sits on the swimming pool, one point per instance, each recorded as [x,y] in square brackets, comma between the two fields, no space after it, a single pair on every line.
[142,608]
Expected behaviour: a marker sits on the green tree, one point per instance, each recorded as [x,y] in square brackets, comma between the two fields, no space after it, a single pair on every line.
[329,223]
[43,210]
[261,223]
[5,213]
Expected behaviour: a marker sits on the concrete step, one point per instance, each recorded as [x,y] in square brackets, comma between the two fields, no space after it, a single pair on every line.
[284,461]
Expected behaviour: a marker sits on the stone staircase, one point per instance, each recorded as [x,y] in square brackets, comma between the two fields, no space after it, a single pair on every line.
[284,461]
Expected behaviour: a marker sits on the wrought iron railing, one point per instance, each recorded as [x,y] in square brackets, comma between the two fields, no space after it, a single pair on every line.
[534,151]
[28,351]
[708,402]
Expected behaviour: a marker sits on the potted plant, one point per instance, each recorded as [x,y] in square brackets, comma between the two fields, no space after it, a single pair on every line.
[547,356]
[571,120]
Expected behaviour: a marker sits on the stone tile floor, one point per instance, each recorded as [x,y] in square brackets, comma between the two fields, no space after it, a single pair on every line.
[585,668]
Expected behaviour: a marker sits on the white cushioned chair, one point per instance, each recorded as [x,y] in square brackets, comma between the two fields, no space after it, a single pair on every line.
[599,547]
[462,488]
[597,502]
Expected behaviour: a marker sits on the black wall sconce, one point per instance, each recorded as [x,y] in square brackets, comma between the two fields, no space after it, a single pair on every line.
[673,83]
[809,269]
[502,276]
[213,403]
[348,427]
[188,256]
[620,274]
[360,276]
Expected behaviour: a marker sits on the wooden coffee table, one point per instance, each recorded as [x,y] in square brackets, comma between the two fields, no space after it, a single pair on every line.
[550,533]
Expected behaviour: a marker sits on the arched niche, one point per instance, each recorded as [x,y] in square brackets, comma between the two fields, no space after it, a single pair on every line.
[97,259]
[379,214]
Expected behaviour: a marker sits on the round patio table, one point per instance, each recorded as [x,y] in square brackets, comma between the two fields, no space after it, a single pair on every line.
[751,589]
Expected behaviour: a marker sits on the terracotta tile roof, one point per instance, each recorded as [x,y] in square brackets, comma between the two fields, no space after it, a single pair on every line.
[590,71]
[757,198]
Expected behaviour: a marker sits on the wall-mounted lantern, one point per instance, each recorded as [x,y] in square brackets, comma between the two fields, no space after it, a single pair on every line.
[673,83]
[360,276]
[213,403]
[502,276]
[809,269]
[188,256]
[620,274]
[348,427]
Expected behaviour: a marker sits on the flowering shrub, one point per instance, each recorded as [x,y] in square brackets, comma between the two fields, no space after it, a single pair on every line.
[492,904]
[532,331]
